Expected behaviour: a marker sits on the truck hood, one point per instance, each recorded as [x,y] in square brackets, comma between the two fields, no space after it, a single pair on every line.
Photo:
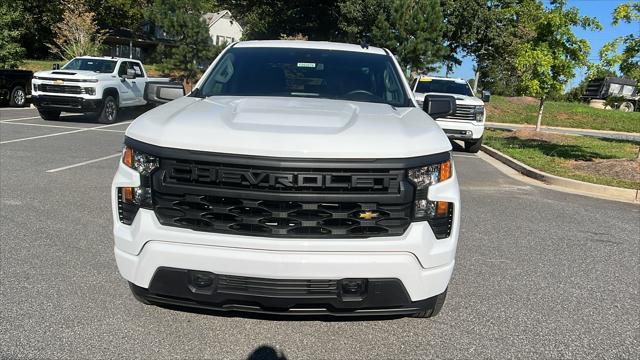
[290,127]
[71,74]
[460,99]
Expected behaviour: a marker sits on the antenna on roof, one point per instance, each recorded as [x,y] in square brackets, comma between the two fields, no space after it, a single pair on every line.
[364,42]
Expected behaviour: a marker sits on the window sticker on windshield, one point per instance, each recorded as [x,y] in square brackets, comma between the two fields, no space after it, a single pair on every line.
[306,65]
[425,79]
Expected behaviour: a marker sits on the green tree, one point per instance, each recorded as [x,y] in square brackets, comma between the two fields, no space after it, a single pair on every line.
[42,17]
[272,19]
[77,34]
[357,18]
[413,32]
[12,26]
[487,31]
[182,20]
[549,60]
[628,60]
[114,14]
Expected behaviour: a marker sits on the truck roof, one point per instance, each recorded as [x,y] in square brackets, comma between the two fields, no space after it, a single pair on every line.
[303,44]
[105,58]
[459,80]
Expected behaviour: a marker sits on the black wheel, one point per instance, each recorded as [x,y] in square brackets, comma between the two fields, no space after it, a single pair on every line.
[433,307]
[473,146]
[626,107]
[18,97]
[50,115]
[138,294]
[109,113]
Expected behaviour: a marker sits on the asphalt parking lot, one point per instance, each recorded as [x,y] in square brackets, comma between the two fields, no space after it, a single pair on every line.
[539,273]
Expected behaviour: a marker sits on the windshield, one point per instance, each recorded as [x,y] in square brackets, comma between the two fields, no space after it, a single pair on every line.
[314,73]
[428,85]
[96,65]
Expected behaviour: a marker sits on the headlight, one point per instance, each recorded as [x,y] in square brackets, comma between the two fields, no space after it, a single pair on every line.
[479,112]
[439,214]
[139,161]
[90,90]
[130,199]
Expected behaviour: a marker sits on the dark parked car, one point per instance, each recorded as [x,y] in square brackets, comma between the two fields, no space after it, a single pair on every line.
[15,87]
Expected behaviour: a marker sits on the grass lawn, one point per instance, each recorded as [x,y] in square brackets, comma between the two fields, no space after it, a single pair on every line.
[39,65]
[523,110]
[599,161]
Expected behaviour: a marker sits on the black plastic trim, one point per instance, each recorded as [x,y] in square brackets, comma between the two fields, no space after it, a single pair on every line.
[384,296]
[284,162]
[66,103]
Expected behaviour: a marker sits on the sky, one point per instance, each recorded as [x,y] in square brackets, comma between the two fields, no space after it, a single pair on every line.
[601,10]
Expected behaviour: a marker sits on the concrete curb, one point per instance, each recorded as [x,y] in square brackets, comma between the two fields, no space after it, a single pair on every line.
[611,192]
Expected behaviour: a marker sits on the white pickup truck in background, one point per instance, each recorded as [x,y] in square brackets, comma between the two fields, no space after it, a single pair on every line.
[467,123]
[92,85]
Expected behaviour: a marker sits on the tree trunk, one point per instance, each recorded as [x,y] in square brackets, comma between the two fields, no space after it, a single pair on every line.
[475,81]
[539,122]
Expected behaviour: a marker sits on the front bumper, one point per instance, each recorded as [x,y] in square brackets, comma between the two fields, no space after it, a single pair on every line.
[66,103]
[379,296]
[462,130]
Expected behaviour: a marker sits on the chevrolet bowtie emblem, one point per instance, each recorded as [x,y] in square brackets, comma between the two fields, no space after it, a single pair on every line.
[368,215]
[58,82]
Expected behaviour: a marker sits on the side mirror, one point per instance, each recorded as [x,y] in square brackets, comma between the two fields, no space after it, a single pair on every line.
[486,96]
[158,93]
[55,67]
[131,74]
[439,106]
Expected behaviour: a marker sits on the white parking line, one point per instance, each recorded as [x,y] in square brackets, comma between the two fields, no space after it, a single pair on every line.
[63,127]
[83,163]
[26,118]
[62,133]
[467,156]
[14,109]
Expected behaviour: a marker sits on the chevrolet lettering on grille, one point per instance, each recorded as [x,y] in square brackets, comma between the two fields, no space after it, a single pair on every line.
[283,180]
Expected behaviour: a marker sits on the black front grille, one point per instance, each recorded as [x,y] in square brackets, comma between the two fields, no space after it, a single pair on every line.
[241,285]
[281,218]
[282,197]
[61,89]
[463,112]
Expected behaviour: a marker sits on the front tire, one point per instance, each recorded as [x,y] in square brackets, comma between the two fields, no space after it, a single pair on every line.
[473,146]
[626,107]
[433,307]
[50,115]
[18,97]
[109,113]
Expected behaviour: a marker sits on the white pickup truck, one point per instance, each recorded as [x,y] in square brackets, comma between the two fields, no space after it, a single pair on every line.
[94,85]
[467,123]
[298,177]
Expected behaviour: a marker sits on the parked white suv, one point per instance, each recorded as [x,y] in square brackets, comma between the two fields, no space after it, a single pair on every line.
[98,85]
[298,177]
[467,123]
